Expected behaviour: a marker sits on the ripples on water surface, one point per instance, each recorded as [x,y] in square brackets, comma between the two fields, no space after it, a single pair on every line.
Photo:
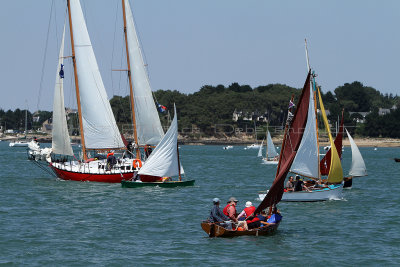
[45,221]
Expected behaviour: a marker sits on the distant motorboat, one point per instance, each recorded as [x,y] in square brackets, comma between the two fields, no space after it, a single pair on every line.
[253,146]
[19,144]
[227,147]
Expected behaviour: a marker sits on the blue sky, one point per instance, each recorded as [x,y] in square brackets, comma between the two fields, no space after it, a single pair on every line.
[190,43]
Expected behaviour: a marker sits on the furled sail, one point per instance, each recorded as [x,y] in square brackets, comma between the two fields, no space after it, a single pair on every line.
[100,129]
[60,138]
[357,162]
[271,151]
[325,162]
[335,172]
[290,145]
[163,161]
[307,158]
[148,125]
[260,149]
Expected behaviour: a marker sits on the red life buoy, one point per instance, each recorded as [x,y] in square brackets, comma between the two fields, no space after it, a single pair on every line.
[137,163]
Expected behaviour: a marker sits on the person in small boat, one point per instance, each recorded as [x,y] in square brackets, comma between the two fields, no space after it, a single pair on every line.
[218,217]
[299,185]
[275,217]
[230,209]
[251,219]
[248,214]
[290,184]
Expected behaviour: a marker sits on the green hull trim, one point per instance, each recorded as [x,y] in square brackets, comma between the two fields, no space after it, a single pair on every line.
[130,184]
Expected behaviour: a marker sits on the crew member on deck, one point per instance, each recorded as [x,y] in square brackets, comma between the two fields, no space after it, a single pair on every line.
[111,161]
[129,149]
[147,150]
[289,184]
[299,185]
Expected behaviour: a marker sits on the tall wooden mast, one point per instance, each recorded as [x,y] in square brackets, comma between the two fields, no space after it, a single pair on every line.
[78,99]
[130,84]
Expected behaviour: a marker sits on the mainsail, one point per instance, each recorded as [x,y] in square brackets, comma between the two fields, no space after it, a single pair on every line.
[291,142]
[357,162]
[271,151]
[99,126]
[306,162]
[163,161]
[148,125]
[60,138]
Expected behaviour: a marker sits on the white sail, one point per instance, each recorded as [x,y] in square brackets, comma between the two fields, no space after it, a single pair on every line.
[148,125]
[163,161]
[99,127]
[260,149]
[60,138]
[357,162]
[306,161]
[271,151]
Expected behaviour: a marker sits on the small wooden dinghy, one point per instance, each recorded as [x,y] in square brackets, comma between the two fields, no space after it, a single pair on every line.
[294,131]
[214,230]
[167,184]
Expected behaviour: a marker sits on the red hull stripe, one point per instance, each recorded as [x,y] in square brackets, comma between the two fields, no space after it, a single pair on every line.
[90,177]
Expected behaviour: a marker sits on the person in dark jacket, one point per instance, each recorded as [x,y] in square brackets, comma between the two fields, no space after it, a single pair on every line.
[299,185]
[216,216]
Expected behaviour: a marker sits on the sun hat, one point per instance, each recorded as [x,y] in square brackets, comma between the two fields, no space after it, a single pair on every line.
[233,199]
[216,200]
[249,204]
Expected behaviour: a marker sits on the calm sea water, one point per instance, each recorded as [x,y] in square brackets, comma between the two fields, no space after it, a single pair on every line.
[46,222]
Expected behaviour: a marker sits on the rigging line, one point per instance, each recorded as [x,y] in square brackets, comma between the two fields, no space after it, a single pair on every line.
[113,48]
[45,55]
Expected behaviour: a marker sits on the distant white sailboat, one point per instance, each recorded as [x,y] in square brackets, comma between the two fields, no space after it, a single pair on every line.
[260,149]
[271,156]
[358,168]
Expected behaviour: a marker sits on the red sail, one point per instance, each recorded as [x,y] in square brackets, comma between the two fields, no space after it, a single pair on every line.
[290,145]
[325,162]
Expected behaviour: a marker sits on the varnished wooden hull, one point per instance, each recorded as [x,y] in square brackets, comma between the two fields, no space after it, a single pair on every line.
[214,230]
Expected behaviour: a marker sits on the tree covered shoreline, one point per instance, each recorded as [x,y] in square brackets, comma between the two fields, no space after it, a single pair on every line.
[208,112]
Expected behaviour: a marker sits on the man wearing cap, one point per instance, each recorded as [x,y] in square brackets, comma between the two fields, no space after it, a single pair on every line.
[216,215]
[230,209]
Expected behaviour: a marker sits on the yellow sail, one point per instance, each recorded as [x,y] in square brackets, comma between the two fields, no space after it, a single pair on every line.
[335,172]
